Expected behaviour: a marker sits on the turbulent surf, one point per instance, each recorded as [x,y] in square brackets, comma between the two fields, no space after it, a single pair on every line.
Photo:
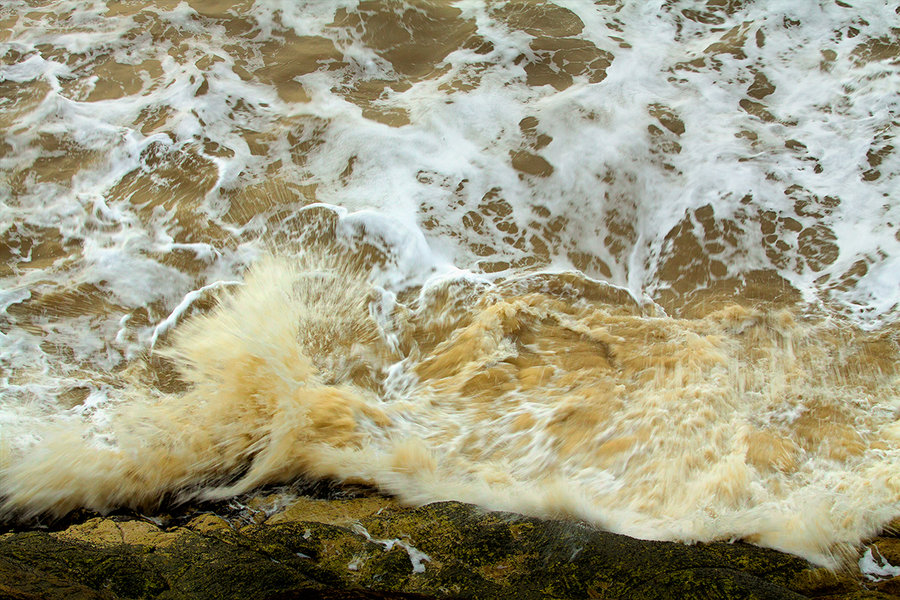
[634,263]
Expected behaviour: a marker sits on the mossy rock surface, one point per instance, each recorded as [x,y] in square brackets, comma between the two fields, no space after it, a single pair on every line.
[442,550]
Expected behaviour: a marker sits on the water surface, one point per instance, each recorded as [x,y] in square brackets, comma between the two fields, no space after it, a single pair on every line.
[632,262]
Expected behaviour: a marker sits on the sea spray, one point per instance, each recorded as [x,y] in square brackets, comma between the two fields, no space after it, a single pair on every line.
[630,262]
[550,395]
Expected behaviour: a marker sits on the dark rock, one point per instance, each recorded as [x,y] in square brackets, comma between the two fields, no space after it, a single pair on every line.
[374,549]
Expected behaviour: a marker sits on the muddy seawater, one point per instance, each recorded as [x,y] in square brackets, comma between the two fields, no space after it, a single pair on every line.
[631,262]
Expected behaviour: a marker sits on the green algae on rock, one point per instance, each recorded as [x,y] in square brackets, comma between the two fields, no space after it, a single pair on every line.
[380,550]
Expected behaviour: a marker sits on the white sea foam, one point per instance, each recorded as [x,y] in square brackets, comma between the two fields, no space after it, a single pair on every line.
[597,129]
[877,569]
[416,556]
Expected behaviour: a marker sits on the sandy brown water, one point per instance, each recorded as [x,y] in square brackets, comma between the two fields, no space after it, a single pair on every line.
[631,263]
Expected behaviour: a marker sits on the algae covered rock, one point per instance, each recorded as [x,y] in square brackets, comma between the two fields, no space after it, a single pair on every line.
[372,548]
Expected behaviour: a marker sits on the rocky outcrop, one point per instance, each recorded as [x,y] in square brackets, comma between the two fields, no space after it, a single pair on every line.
[372,548]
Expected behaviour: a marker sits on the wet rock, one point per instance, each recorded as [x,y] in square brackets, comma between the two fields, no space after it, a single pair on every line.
[373,548]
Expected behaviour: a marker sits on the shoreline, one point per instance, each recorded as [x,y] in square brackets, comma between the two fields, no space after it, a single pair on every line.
[356,543]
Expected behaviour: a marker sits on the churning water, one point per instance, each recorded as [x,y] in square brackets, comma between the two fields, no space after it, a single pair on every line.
[633,262]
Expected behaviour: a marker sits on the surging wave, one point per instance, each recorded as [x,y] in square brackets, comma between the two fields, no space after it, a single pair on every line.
[547,394]
[482,164]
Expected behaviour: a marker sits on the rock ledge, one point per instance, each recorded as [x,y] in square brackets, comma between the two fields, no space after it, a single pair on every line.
[372,548]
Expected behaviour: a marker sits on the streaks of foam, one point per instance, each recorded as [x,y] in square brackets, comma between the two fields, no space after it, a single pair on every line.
[749,117]
[550,397]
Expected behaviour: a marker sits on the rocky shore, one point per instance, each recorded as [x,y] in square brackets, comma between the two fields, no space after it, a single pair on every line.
[276,547]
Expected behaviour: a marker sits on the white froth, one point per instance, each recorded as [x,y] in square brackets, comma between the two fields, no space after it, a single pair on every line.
[35,67]
[877,569]
[416,557]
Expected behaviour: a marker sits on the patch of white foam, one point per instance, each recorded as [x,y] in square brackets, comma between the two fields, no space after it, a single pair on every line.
[877,568]
[416,557]
[128,276]
[35,67]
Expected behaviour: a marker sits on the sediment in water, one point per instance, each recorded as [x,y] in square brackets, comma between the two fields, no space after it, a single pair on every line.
[551,395]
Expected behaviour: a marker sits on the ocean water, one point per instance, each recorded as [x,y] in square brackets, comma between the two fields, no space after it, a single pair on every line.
[631,262]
